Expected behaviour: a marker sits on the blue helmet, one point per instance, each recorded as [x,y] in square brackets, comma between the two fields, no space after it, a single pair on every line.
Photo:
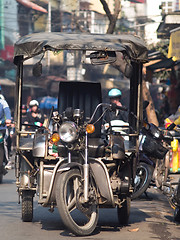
[114,92]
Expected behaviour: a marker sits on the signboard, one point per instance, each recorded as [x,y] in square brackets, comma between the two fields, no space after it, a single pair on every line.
[174,45]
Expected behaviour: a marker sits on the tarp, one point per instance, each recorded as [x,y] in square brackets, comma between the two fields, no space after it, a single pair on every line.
[34,44]
[163,64]
[48,102]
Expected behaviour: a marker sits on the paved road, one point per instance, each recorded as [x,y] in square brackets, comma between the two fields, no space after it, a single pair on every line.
[151,218]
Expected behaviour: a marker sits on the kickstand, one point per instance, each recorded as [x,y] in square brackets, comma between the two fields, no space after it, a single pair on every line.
[147,196]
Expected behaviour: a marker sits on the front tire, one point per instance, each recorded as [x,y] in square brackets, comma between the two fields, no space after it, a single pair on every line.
[143,178]
[161,171]
[123,212]
[177,215]
[80,218]
[27,206]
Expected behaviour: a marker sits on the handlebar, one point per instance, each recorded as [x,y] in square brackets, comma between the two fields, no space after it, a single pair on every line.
[113,107]
[108,106]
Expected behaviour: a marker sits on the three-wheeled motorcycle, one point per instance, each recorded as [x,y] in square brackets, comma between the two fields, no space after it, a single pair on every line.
[72,165]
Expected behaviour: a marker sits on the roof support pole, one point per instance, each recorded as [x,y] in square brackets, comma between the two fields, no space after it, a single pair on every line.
[19,84]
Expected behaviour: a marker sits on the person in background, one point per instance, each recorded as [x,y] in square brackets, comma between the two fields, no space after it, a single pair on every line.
[115,97]
[5,122]
[24,114]
[34,116]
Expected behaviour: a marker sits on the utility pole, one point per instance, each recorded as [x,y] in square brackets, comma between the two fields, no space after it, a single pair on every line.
[49,30]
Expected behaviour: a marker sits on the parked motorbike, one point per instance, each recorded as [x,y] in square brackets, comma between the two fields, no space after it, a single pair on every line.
[172,189]
[152,158]
[3,151]
[174,154]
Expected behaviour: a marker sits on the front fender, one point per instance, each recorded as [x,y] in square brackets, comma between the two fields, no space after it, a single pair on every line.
[67,166]
[144,158]
[102,180]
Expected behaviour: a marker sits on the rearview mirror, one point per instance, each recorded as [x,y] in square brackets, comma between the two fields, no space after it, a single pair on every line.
[102,57]
[37,69]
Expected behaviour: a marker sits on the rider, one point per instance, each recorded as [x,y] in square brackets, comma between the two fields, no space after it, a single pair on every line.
[5,121]
[115,97]
[24,114]
[34,116]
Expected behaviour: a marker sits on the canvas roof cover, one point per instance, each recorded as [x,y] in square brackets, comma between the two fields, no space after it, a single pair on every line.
[34,44]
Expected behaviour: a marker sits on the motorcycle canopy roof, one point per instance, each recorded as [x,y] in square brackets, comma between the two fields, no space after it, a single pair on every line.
[36,43]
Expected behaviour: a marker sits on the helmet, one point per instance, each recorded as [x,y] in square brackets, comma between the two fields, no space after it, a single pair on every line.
[2,97]
[33,103]
[114,92]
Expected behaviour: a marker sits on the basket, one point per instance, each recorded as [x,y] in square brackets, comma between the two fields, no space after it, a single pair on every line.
[153,148]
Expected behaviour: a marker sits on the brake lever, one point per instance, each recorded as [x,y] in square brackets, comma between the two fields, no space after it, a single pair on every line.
[114,107]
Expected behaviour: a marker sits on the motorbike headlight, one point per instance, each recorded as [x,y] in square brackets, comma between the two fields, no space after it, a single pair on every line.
[155,131]
[68,132]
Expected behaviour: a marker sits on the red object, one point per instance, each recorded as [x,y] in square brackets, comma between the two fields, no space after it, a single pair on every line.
[34,6]
[167,125]
[7,53]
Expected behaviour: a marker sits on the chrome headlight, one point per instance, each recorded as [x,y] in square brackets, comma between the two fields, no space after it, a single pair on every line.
[155,131]
[68,132]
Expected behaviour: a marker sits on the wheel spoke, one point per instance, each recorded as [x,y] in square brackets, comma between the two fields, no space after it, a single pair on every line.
[72,204]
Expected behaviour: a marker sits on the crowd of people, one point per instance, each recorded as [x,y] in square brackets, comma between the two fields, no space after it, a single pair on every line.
[31,115]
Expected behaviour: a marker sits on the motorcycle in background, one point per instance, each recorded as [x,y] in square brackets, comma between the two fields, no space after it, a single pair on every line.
[174,154]
[153,155]
[172,189]
[151,158]
[4,151]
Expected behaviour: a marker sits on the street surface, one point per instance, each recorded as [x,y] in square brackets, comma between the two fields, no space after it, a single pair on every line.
[150,218]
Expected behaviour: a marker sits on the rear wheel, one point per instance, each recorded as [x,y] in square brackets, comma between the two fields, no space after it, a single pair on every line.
[124,212]
[27,206]
[79,217]
[177,215]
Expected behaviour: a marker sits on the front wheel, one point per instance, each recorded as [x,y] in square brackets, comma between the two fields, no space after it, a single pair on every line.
[177,215]
[142,180]
[79,217]
[162,170]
